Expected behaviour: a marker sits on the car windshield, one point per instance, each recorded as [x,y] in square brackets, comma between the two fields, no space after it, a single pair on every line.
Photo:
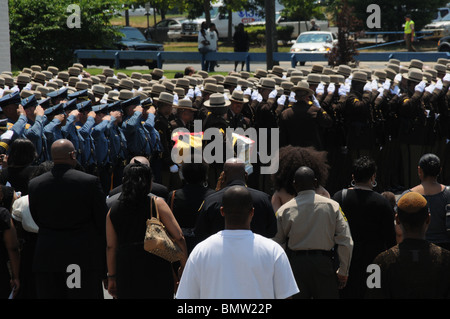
[132,34]
[213,12]
[313,38]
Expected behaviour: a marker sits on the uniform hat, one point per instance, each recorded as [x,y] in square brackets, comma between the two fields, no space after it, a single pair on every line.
[180,92]
[158,88]
[113,96]
[185,104]
[217,103]
[302,86]
[337,79]
[74,71]
[81,86]
[277,70]
[169,86]
[244,74]
[380,74]
[26,93]
[126,84]
[238,96]
[210,80]
[11,98]
[55,110]
[98,89]
[36,68]
[344,70]
[359,76]
[219,78]
[203,74]
[45,103]
[29,101]
[414,75]
[325,78]
[287,85]
[440,68]
[82,95]
[48,74]
[146,102]
[157,73]
[100,108]
[164,97]
[115,106]
[394,61]
[23,78]
[78,65]
[210,88]
[183,83]
[84,106]
[390,74]
[40,77]
[230,80]
[70,105]
[314,78]
[260,73]
[64,76]
[414,63]
[317,68]
[124,95]
[411,202]
[53,69]
[267,83]
[136,75]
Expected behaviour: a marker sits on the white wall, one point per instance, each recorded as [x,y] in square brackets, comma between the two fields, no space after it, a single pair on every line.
[5,49]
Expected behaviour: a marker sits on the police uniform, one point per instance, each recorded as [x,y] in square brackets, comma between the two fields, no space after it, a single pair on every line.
[58,96]
[34,130]
[118,145]
[52,130]
[87,146]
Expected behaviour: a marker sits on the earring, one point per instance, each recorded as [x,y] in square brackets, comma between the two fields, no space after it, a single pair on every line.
[374,184]
[353,183]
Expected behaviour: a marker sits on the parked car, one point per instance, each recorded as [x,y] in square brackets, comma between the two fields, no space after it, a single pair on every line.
[440,14]
[314,42]
[302,26]
[159,32]
[438,29]
[132,39]
[444,44]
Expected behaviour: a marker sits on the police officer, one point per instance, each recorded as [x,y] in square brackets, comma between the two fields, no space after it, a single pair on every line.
[35,127]
[85,124]
[52,130]
[58,96]
[15,113]
[234,115]
[117,143]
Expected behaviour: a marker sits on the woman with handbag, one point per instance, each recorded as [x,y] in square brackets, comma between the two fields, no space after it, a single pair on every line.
[134,272]
[203,45]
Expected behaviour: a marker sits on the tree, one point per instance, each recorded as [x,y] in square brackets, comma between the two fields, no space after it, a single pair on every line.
[345,50]
[301,10]
[40,33]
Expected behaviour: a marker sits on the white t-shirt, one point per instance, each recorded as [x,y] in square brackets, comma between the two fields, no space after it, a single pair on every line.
[201,38]
[237,264]
[213,39]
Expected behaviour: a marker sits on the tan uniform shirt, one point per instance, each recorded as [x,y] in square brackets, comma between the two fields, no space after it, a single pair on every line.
[310,221]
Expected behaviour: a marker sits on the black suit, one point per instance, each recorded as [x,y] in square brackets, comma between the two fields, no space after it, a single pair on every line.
[70,209]
[210,221]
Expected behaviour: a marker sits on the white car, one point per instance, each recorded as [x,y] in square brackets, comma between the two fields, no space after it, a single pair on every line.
[314,42]
[438,29]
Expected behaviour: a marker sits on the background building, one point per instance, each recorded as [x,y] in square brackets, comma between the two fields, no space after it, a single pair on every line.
[5,48]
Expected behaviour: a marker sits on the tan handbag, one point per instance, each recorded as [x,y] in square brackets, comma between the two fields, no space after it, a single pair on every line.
[157,240]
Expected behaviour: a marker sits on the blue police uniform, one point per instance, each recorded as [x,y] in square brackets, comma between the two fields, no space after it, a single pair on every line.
[34,130]
[52,130]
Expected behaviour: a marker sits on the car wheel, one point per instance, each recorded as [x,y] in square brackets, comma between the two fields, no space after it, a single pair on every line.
[444,48]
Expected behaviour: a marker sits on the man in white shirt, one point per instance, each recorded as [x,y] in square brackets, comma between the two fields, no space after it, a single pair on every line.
[214,41]
[236,263]
[204,45]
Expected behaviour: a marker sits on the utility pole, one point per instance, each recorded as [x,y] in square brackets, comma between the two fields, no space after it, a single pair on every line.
[270,32]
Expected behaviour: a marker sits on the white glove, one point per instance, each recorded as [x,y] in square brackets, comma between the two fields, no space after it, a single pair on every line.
[316,102]
[292,98]
[381,91]
[395,90]
[374,85]
[387,84]
[347,88]
[430,88]
[331,88]
[439,84]
[398,78]
[368,87]
[174,168]
[190,93]
[420,87]
[348,80]
[259,98]
[248,91]
[320,89]
[281,100]
[238,87]
[226,97]
[446,77]
[254,95]
[197,91]
[342,91]
[273,94]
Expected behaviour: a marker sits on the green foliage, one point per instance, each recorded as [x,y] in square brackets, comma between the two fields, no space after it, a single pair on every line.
[302,10]
[40,35]
[257,34]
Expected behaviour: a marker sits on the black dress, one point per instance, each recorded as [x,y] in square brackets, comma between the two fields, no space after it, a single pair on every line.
[140,275]
[18,177]
[5,288]
[186,204]
[371,222]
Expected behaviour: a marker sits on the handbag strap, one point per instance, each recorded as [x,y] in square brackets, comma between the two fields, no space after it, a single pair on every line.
[171,201]
[153,201]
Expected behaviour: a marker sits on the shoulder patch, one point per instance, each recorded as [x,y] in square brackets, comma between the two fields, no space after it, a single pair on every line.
[342,213]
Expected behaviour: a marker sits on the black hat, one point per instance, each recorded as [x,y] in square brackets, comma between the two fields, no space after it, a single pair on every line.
[61,93]
[12,98]
[147,102]
[84,106]
[29,102]
[115,106]
[82,95]
[55,110]
[44,103]
[131,102]
[70,105]
[101,108]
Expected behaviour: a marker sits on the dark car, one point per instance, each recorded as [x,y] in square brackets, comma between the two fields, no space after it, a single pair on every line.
[132,39]
[444,44]
[158,32]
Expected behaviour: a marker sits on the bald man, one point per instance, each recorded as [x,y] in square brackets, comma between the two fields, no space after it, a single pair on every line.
[69,207]
[210,221]
[415,268]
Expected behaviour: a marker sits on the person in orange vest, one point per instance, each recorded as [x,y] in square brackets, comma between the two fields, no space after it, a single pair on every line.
[409,33]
